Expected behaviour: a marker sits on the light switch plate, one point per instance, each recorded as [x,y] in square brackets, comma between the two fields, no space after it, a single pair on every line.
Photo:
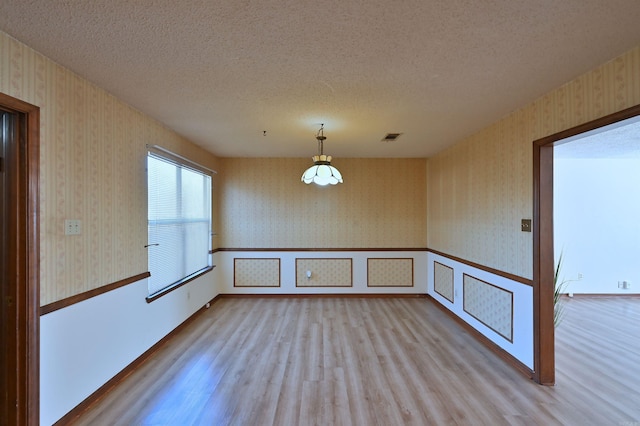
[526,225]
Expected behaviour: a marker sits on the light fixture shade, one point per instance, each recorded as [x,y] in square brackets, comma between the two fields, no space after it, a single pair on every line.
[322,174]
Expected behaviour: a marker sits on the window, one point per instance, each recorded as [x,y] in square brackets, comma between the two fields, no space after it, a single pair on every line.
[179,222]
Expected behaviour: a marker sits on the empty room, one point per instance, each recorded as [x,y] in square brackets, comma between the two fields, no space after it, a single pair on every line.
[277,213]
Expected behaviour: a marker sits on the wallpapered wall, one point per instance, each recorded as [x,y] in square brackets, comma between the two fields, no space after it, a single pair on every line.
[92,165]
[381,204]
[480,189]
[93,158]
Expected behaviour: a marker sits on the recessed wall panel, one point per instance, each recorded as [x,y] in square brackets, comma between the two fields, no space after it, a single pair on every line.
[443,281]
[489,304]
[396,272]
[256,272]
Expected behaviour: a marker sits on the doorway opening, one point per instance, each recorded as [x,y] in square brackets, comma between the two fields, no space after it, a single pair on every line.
[543,240]
[596,209]
[19,252]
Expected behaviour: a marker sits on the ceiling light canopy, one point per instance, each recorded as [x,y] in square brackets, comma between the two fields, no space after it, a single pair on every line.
[322,172]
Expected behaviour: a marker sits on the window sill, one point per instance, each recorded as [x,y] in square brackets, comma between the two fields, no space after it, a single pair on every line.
[150,298]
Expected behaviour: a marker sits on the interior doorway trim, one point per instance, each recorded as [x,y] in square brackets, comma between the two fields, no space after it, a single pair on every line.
[22,170]
[543,256]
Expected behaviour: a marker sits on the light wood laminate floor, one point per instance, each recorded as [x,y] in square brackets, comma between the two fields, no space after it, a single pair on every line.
[375,361]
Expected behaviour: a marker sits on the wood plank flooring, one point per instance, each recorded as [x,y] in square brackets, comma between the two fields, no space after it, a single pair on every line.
[375,361]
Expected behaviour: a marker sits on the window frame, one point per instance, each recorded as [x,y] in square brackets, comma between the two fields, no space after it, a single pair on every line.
[163,154]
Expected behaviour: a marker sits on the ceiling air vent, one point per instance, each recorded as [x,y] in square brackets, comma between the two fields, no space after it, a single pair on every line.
[390,137]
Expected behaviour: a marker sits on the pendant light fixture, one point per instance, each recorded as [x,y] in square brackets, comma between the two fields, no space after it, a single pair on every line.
[322,172]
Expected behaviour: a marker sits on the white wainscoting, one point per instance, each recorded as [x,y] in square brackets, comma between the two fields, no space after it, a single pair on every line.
[86,344]
[521,346]
[225,261]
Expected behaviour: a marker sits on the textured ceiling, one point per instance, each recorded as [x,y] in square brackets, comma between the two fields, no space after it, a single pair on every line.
[222,72]
[620,140]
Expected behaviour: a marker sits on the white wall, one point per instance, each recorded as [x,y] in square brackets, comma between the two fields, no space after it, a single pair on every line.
[597,223]
[84,345]
[521,347]
[225,261]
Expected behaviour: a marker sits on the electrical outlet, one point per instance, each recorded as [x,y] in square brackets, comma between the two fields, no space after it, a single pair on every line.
[72,227]
[625,285]
[525,225]
[580,276]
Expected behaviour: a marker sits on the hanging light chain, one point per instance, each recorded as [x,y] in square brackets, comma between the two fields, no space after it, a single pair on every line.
[320,137]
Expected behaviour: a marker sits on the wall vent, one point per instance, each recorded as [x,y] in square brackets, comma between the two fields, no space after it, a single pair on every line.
[390,137]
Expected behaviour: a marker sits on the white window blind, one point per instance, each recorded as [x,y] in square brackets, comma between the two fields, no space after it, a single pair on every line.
[179,222]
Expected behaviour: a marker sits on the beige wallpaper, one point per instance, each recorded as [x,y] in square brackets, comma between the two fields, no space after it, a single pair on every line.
[92,168]
[389,272]
[381,204]
[443,281]
[480,189]
[256,272]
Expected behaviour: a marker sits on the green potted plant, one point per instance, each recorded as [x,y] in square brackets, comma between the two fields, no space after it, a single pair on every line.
[560,286]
